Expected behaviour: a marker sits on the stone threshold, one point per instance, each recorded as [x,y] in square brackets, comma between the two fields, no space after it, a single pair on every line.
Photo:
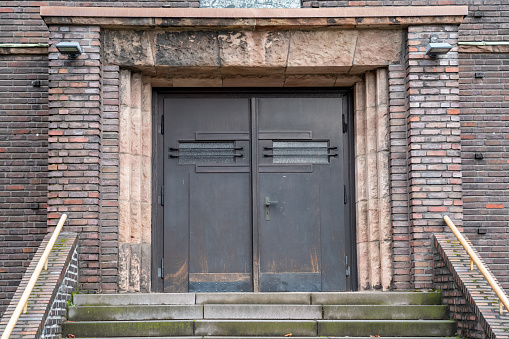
[243,17]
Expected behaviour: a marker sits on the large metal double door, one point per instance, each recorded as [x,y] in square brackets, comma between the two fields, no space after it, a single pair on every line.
[256,193]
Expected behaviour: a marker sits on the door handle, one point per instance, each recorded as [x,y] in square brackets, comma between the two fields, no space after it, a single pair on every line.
[269,202]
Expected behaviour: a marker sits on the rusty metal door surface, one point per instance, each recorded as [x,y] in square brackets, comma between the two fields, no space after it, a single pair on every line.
[255,189]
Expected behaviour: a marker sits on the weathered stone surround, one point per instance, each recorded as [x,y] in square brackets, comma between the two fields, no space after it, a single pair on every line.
[135,193]
[374,251]
[245,52]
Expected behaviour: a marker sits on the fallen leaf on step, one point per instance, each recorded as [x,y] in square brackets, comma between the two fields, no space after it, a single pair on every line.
[288,335]
[70,336]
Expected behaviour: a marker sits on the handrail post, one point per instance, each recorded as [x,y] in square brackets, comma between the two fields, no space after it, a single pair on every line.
[502,298]
[23,301]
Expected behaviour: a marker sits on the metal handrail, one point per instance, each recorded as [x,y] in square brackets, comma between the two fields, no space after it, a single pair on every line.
[502,298]
[43,263]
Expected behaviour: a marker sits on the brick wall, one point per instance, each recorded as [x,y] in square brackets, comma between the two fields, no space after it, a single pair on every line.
[434,151]
[74,153]
[485,131]
[23,165]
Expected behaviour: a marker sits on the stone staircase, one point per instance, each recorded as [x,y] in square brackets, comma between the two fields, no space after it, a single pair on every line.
[260,315]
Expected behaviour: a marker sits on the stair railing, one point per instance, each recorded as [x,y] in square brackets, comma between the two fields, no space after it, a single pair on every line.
[502,298]
[43,263]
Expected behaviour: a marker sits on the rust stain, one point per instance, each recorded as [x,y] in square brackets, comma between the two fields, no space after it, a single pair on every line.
[180,276]
[315,266]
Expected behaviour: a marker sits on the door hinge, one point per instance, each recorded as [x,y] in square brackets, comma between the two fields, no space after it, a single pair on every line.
[347,270]
[160,198]
[345,193]
[161,126]
[160,270]
[345,123]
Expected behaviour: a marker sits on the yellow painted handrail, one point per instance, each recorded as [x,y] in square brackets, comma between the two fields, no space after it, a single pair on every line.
[43,263]
[502,298]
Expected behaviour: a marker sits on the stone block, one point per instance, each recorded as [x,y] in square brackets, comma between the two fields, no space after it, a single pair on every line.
[146,223]
[125,87]
[375,276]
[186,48]
[124,255]
[127,48]
[125,129]
[254,49]
[331,49]
[135,268]
[124,221]
[378,49]
[135,222]
[362,221]
[124,176]
[146,265]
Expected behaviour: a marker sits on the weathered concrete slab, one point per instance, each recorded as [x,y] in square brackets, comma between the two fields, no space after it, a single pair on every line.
[255,327]
[399,312]
[129,328]
[262,312]
[134,299]
[376,298]
[138,312]
[396,328]
[253,298]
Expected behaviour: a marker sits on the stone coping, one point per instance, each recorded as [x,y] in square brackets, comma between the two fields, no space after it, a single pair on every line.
[248,17]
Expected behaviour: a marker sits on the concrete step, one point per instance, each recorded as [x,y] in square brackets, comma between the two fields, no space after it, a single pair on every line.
[376,298]
[242,311]
[304,298]
[279,328]
[278,312]
[135,312]
[396,328]
[389,312]
[147,328]
[134,299]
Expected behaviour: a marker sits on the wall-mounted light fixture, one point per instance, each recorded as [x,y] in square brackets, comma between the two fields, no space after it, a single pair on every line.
[72,49]
[436,48]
